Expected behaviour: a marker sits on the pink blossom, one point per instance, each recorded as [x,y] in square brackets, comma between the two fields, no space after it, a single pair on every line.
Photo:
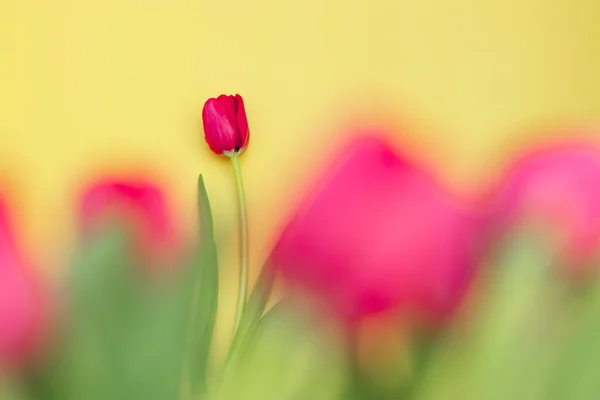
[559,186]
[226,125]
[137,205]
[379,232]
[21,303]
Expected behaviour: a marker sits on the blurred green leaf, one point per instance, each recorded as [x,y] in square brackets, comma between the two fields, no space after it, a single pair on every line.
[521,328]
[9,389]
[203,285]
[126,333]
[109,322]
[288,358]
[577,375]
[516,336]
[251,318]
[129,336]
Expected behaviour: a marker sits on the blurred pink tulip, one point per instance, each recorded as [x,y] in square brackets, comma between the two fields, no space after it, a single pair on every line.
[137,205]
[558,185]
[21,307]
[379,233]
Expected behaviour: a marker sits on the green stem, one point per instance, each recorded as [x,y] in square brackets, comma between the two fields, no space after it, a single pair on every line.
[243,241]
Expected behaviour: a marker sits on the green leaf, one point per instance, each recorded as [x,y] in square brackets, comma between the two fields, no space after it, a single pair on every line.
[250,321]
[287,358]
[130,337]
[203,287]
[127,332]
[577,375]
[9,389]
[110,324]
[519,329]
[254,309]
[517,339]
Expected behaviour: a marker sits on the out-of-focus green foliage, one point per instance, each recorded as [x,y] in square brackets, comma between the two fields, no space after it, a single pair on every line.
[128,336]
[251,318]
[576,377]
[515,344]
[8,391]
[288,358]
[202,295]
[530,335]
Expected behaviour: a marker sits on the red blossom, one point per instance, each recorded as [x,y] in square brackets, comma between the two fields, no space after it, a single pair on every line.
[558,186]
[21,301]
[137,205]
[225,125]
[378,232]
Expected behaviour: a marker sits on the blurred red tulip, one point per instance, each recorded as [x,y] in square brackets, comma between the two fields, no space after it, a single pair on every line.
[558,185]
[378,233]
[137,205]
[21,306]
[226,125]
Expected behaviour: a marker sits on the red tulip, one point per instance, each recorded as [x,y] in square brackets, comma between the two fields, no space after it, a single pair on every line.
[137,205]
[557,185]
[21,307]
[225,125]
[379,233]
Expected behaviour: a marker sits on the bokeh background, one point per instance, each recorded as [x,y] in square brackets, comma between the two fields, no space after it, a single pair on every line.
[90,87]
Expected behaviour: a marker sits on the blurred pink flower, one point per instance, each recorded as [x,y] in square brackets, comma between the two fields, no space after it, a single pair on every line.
[21,303]
[137,205]
[558,185]
[379,233]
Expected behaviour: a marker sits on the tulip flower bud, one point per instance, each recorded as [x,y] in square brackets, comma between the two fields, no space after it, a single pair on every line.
[225,125]
[377,233]
[559,187]
[21,311]
[226,132]
[136,205]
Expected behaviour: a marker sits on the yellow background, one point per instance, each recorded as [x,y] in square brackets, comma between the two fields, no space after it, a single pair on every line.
[93,85]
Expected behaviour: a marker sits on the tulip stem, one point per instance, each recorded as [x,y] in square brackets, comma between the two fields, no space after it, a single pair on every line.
[243,288]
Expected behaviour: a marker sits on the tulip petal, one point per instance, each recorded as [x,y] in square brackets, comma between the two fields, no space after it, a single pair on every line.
[559,186]
[137,204]
[378,232]
[21,310]
[225,124]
